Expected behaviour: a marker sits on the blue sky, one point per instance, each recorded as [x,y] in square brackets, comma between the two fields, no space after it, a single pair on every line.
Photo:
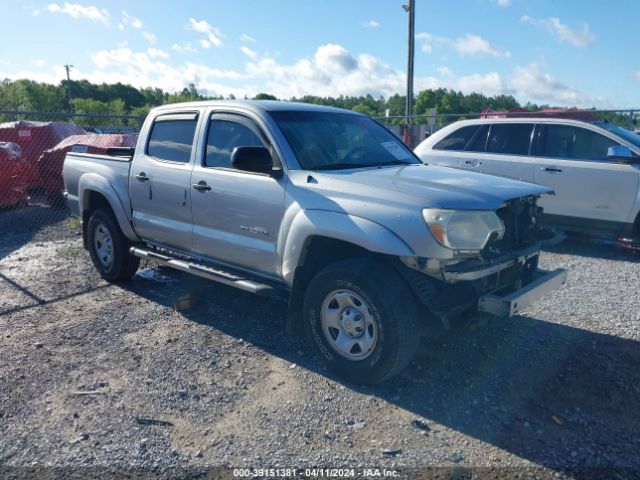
[568,52]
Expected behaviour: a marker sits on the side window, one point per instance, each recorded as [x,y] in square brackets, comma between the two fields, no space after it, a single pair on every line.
[457,140]
[575,143]
[172,140]
[510,138]
[479,141]
[223,137]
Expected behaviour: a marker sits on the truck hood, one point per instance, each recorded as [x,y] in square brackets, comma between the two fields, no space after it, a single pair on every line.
[437,186]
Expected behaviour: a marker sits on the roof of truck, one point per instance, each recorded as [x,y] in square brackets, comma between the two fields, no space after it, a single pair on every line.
[258,105]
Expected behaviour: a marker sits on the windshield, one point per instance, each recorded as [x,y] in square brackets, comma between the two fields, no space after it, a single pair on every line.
[628,135]
[327,141]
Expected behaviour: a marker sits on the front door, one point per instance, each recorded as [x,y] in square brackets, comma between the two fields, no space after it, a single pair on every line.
[236,214]
[159,182]
[590,190]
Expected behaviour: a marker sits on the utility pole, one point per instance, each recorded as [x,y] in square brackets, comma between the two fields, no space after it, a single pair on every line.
[70,105]
[410,8]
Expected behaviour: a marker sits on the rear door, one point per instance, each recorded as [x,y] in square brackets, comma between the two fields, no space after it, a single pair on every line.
[159,181]
[236,214]
[507,151]
[591,191]
[458,149]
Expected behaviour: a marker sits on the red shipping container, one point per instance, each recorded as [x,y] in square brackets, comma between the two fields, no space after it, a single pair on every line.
[13,191]
[33,139]
[51,162]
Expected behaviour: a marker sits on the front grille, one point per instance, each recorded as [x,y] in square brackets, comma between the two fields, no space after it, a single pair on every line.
[520,223]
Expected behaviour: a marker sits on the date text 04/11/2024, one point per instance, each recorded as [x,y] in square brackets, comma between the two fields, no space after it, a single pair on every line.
[314,473]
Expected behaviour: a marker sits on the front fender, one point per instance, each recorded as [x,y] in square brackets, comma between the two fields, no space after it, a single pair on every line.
[92,182]
[339,226]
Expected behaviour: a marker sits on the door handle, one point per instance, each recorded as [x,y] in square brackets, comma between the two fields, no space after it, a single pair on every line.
[473,164]
[551,169]
[142,177]
[202,186]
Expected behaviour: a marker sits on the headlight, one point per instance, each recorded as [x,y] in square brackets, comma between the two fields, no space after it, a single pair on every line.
[463,229]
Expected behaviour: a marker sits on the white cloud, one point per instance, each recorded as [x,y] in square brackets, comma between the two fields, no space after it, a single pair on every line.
[444,71]
[488,83]
[214,37]
[184,47]
[371,24]
[204,43]
[141,69]
[426,40]
[38,63]
[470,44]
[533,84]
[577,38]
[129,20]
[150,37]
[157,53]
[248,52]
[77,11]
[247,38]
[476,45]
[331,70]
[502,3]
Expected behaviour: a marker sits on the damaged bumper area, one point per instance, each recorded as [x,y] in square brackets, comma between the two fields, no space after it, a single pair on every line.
[510,303]
[501,285]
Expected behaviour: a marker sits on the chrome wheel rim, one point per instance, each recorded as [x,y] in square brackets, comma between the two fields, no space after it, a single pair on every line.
[103,245]
[348,325]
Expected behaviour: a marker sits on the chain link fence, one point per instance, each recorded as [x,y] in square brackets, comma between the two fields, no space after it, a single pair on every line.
[36,231]
[33,146]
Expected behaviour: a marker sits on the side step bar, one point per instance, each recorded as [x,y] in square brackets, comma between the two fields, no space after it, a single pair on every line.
[209,273]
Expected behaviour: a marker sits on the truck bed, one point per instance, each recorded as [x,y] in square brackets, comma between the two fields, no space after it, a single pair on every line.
[110,172]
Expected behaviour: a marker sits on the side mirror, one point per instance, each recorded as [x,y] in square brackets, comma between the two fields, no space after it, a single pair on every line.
[252,159]
[620,153]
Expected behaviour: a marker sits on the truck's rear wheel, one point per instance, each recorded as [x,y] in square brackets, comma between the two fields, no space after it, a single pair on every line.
[109,248]
[362,320]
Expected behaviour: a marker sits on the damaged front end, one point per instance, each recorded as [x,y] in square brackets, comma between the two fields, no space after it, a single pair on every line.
[502,279]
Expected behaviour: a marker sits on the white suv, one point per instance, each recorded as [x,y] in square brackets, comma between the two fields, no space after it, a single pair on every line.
[594,168]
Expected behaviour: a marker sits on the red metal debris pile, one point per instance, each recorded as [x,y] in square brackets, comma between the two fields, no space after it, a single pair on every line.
[572,113]
[51,162]
[33,139]
[13,191]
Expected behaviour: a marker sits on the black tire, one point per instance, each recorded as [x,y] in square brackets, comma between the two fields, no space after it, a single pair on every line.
[391,305]
[122,265]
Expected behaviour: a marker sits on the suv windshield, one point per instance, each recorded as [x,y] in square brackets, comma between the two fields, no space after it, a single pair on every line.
[629,136]
[328,141]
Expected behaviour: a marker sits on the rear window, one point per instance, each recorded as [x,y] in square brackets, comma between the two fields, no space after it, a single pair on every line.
[457,140]
[172,140]
[510,138]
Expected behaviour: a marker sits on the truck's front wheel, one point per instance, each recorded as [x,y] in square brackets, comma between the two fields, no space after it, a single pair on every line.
[109,248]
[362,320]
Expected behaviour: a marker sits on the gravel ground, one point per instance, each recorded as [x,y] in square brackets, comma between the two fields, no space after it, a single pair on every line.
[99,380]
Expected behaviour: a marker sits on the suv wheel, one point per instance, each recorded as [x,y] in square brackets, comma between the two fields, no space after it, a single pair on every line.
[362,320]
[109,248]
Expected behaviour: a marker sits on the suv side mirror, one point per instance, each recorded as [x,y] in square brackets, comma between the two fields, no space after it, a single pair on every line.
[620,153]
[252,159]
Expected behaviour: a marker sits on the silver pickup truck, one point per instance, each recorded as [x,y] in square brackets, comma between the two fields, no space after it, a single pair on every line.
[323,207]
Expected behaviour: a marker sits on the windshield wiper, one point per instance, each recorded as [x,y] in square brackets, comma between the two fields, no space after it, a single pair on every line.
[342,166]
[394,162]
